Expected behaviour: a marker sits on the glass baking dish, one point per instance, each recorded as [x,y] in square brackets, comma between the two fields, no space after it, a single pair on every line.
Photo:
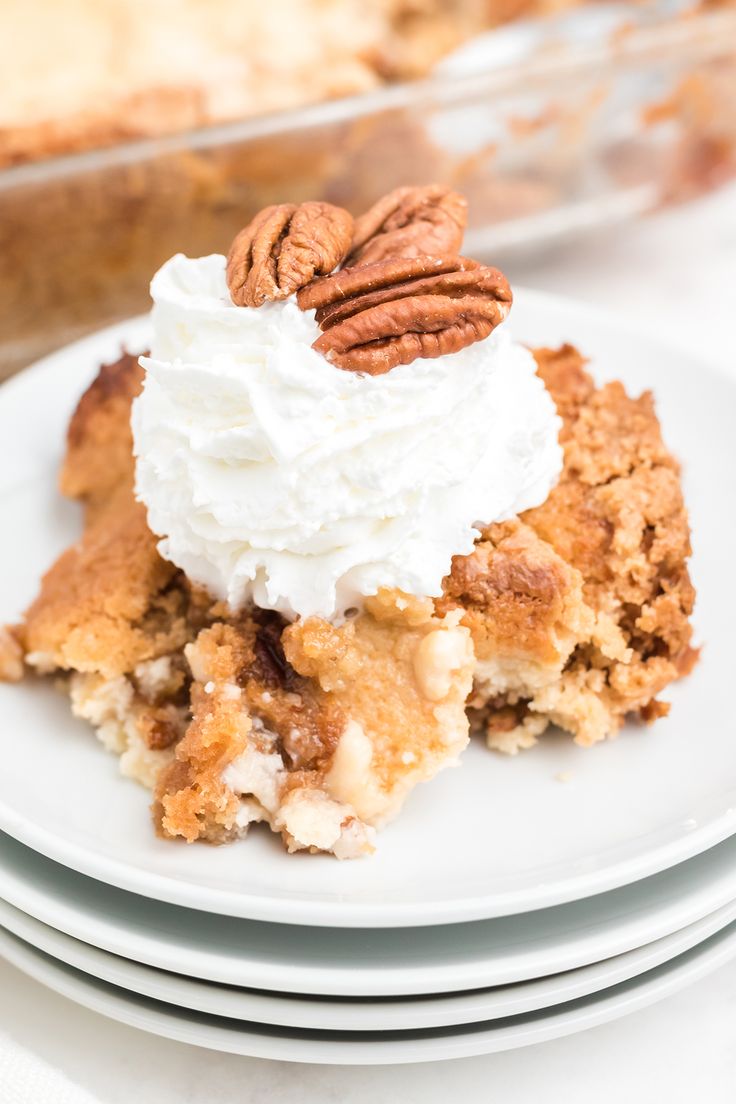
[547,134]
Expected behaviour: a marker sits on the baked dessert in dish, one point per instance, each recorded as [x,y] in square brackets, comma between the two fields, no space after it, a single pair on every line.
[337,520]
[81,235]
[136,76]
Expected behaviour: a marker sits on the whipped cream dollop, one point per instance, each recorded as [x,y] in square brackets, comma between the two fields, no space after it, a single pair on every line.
[273,476]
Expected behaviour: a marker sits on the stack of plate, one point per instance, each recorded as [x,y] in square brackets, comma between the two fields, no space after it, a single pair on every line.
[515,900]
[325,994]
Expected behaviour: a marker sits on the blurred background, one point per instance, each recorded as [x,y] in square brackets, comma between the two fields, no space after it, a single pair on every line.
[134,129]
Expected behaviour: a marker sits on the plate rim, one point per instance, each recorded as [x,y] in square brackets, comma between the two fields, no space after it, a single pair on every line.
[339,1014]
[332,913]
[611,928]
[201,1030]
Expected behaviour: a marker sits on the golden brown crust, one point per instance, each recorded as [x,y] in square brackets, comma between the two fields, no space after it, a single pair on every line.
[617,513]
[598,572]
[191,799]
[518,594]
[108,602]
[99,455]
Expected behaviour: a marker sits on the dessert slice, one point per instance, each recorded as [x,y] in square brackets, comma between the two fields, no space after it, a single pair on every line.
[579,610]
[318,730]
[574,614]
[379,519]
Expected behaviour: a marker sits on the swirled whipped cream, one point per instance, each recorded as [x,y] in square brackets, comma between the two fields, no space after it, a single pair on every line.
[274,477]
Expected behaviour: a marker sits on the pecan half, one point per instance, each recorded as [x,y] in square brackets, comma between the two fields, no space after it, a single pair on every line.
[283,248]
[376,317]
[410,222]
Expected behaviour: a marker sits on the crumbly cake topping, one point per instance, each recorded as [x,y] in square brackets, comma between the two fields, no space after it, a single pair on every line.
[580,609]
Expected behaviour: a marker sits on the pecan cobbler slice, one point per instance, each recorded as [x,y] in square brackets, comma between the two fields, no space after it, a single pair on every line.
[337,519]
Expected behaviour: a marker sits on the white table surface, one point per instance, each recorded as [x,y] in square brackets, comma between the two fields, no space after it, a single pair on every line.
[676,274]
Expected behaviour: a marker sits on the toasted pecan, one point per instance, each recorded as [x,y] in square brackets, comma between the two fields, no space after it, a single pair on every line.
[376,317]
[410,222]
[350,286]
[283,248]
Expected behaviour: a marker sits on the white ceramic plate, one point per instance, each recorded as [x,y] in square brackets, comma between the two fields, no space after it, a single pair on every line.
[359,1014]
[379,963]
[510,837]
[366,1048]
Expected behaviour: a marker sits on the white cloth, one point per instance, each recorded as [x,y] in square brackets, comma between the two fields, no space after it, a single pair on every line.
[27,1079]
